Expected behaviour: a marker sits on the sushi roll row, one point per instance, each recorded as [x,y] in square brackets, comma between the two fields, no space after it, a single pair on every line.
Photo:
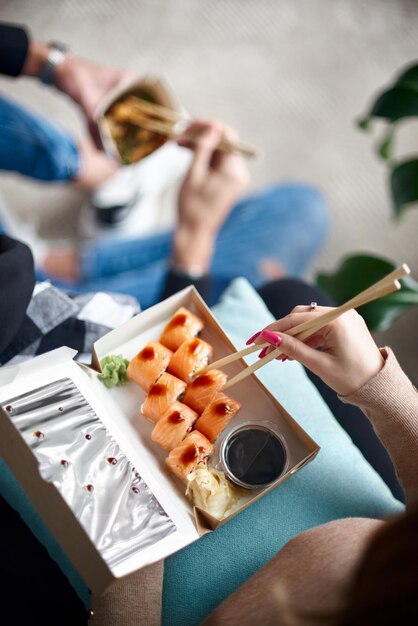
[189,411]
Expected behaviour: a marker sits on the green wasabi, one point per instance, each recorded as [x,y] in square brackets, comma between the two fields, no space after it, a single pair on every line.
[114,370]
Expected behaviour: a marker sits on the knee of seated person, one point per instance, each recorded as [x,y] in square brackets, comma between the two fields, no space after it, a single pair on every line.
[306,205]
[312,208]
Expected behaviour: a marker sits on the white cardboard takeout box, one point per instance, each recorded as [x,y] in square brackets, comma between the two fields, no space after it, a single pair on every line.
[119,411]
[156,86]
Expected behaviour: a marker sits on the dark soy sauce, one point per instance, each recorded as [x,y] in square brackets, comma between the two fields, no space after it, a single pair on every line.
[254,456]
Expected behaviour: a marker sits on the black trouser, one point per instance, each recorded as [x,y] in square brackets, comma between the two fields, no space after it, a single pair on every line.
[280,297]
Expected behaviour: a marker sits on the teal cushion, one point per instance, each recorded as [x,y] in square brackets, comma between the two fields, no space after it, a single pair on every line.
[338,483]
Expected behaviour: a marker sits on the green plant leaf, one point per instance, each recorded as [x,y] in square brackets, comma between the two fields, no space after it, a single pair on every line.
[356,273]
[400,100]
[364,123]
[384,147]
[404,184]
[409,77]
[396,103]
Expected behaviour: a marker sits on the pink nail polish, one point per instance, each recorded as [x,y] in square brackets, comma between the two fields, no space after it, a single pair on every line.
[272,338]
[252,338]
[263,352]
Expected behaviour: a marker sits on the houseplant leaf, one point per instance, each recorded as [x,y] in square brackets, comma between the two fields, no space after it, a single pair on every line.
[357,272]
[409,77]
[397,102]
[385,146]
[404,184]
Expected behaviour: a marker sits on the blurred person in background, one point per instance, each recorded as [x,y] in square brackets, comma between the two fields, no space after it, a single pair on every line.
[276,231]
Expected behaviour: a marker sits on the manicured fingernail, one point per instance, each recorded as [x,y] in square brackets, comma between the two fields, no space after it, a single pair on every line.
[272,338]
[252,338]
[263,352]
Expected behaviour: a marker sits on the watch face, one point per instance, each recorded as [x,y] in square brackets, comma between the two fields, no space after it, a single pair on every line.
[57,53]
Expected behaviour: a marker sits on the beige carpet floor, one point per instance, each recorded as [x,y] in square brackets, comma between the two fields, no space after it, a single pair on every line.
[291,76]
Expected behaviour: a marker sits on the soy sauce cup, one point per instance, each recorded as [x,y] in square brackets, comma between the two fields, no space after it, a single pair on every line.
[254,455]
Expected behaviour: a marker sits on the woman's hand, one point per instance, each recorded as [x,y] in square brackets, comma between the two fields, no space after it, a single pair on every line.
[343,353]
[214,183]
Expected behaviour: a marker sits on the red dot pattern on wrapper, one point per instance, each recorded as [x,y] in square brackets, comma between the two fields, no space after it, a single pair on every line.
[64,463]
[39,434]
[135,489]
[90,487]
[9,408]
[111,460]
[60,409]
[88,437]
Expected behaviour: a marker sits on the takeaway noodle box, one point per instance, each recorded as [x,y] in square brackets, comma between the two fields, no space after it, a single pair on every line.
[120,137]
[84,455]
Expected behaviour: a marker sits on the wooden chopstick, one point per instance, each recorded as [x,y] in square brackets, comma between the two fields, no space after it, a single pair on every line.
[166,125]
[317,323]
[155,109]
[400,271]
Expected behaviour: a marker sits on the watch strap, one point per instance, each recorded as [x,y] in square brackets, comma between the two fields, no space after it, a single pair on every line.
[57,53]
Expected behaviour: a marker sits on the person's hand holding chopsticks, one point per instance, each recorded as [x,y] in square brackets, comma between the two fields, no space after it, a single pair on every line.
[212,186]
[342,353]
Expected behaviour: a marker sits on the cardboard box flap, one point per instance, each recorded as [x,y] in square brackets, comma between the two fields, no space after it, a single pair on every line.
[205,522]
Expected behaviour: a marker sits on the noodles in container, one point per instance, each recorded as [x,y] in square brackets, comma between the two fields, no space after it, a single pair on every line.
[120,137]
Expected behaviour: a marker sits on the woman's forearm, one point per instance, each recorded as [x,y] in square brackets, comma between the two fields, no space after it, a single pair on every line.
[390,401]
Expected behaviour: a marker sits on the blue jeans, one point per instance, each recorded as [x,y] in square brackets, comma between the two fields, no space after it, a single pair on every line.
[33,146]
[285,224]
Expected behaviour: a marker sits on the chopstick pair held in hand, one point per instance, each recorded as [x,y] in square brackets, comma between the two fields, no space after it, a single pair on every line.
[173,124]
[314,323]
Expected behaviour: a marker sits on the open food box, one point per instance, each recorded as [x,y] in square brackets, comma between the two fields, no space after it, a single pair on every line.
[119,122]
[84,455]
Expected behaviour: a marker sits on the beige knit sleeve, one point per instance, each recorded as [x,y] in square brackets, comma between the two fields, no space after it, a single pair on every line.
[390,401]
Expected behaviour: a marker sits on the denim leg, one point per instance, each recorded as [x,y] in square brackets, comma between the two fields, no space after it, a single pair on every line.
[110,258]
[145,284]
[285,223]
[33,146]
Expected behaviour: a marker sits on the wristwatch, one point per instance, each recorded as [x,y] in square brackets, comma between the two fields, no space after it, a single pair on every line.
[57,53]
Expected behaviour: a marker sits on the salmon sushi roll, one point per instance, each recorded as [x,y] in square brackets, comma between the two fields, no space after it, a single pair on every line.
[161,396]
[192,356]
[173,426]
[149,364]
[202,390]
[217,415]
[194,449]
[183,325]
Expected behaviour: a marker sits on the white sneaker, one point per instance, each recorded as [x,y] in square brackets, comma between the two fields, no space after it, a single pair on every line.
[138,200]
